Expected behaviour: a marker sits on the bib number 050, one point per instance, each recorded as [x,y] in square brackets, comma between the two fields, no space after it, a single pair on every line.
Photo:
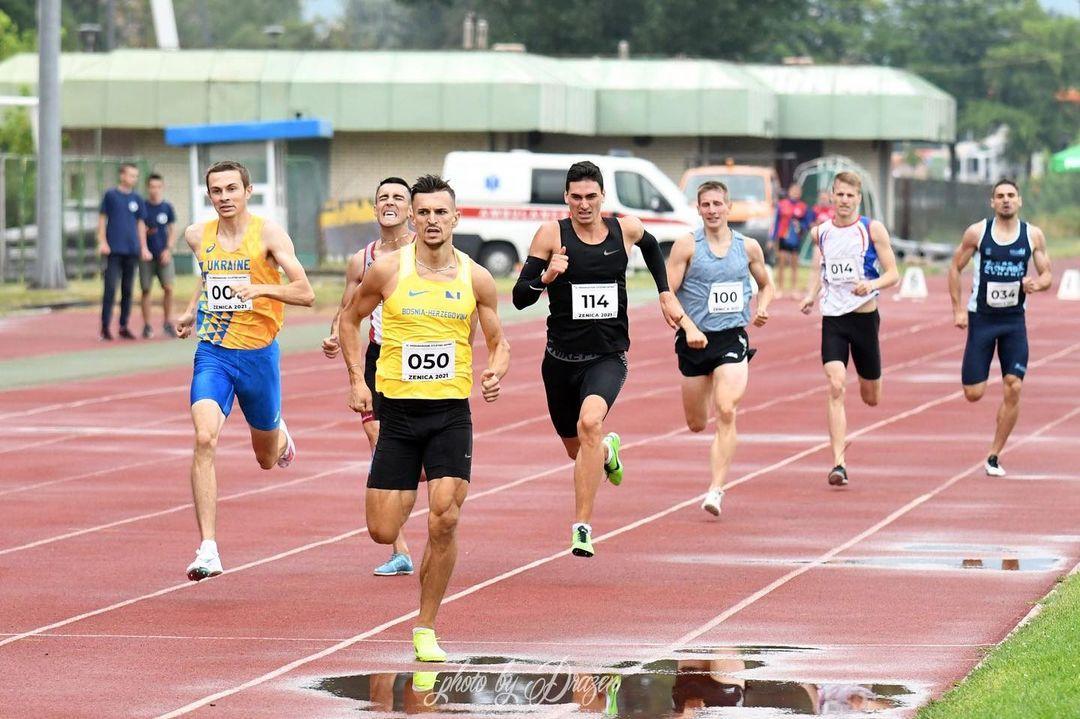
[427,361]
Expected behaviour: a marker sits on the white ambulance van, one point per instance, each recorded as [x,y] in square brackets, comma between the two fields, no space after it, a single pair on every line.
[503,197]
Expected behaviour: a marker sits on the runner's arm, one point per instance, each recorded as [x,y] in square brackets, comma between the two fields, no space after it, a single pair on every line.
[298,291]
[969,245]
[529,286]
[814,289]
[186,321]
[363,302]
[761,276]
[487,311]
[634,231]
[678,262]
[354,273]
[883,245]
[1042,262]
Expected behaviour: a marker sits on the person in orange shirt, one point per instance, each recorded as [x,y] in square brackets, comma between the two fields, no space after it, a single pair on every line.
[236,311]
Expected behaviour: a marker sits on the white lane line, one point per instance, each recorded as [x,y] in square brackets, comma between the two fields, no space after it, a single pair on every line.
[344,644]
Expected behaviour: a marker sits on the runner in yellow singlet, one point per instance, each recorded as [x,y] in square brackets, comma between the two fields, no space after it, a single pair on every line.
[429,293]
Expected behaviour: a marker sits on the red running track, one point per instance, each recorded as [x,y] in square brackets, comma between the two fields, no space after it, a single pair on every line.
[99,621]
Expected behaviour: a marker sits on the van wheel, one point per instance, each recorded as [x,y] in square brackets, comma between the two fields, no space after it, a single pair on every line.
[499,258]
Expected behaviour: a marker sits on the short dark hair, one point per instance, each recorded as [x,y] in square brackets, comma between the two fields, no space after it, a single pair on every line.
[584,170]
[1004,181]
[225,166]
[429,185]
[126,165]
[392,181]
[154,176]
[710,185]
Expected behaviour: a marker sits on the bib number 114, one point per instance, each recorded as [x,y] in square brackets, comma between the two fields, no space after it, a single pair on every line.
[595,301]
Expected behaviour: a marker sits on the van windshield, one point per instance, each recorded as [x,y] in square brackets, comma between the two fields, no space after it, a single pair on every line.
[741,188]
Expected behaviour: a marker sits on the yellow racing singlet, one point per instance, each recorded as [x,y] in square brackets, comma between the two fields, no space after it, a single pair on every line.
[426,352]
[223,319]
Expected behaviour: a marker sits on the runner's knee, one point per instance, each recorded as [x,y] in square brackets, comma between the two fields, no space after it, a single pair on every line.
[442,523]
[1013,385]
[696,424]
[871,395]
[205,440]
[974,392]
[725,413]
[836,386]
[589,427]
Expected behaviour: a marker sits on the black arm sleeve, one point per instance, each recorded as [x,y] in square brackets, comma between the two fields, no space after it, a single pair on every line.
[654,260]
[529,287]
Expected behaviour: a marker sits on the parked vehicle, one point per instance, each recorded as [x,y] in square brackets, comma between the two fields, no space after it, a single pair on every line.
[504,196]
[753,191]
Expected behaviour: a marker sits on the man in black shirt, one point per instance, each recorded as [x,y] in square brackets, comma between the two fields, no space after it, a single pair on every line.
[581,262]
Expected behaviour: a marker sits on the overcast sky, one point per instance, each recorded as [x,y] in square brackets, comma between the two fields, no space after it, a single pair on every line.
[332,9]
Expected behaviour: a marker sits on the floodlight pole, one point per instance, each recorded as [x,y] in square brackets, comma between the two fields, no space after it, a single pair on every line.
[50,212]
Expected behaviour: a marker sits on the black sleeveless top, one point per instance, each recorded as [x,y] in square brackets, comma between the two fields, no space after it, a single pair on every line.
[998,288]
[587,303]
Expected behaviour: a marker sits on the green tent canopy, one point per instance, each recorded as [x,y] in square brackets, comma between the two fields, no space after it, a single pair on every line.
[1068,160]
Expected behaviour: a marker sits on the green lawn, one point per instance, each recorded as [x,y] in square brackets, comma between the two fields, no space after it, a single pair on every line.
[1033,675]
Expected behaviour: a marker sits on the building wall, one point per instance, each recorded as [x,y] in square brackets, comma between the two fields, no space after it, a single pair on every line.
[358,160]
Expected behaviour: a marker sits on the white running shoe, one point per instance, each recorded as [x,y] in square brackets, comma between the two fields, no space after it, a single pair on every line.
[712,501]
[289,454]
[993,469]
[206,564]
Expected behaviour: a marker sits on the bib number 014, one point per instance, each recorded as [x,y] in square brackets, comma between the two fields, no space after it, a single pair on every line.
[842,269]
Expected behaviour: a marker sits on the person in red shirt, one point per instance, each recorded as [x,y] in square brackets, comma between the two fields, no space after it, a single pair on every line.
[789,227]
[823,210]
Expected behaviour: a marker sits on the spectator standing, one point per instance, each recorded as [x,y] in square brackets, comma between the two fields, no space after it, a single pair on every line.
[121,237]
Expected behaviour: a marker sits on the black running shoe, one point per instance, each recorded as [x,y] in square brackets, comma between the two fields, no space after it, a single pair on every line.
[125,334]
[993,468]
[838,476]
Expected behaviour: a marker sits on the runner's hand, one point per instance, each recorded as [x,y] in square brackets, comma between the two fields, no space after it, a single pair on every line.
[960,319]
[761,317]
[489,385]
[360,398]
[331,347]
[185,324]
[696,339]
[807,305]
[671,309]
[1031,285]
[247,292]
[556,266]
[863,288]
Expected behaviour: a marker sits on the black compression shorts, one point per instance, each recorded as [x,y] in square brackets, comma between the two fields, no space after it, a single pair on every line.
[729,346]
[433,434]
[856,332]
[567,384]
[371,358]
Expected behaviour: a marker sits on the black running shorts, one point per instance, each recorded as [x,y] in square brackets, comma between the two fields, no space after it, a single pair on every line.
[567,384]
[433,434]
[856,332]
[730,346]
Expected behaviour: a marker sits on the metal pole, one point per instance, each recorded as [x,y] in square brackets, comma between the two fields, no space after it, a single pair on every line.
[50,211]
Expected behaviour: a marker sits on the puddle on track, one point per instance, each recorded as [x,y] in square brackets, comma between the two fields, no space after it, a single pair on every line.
[698,683]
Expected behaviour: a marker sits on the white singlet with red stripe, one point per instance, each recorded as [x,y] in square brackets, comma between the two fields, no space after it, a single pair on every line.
[847,258]
[375,334]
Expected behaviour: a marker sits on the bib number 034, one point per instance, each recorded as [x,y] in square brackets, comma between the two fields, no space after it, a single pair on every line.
[220,292]
[595,301]
[427,361]
[1002,294]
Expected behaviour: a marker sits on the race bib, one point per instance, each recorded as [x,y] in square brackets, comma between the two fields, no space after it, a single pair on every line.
[427,361]
[726,297]
[1002,294]
[842,269]
[595,301]
[219,291]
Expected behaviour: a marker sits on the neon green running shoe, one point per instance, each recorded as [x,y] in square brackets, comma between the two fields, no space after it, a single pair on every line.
[426,645]
[614,466]
[424,681]
[611,692]
[581,545]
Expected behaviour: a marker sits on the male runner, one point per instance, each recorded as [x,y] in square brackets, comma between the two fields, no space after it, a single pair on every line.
[237,310]
[709,272]
[392,211]
[788,228]
[994,316]
[581,261]
[848,282]
[160,223]
[429,293]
